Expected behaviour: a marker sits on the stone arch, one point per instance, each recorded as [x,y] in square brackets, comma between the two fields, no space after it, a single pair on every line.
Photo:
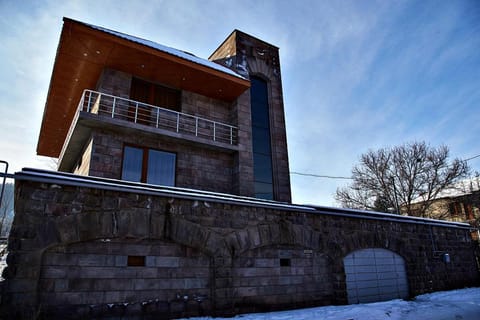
[258,67]
[267,234]
[129,227]
[342,244]
[135,223]
[276,265]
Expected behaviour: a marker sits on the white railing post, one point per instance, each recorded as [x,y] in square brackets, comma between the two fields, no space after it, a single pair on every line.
[113,106]
[89,100]
[231,135]
[136,112]
[158,115]
[178,122]
[82,101]
[196,126]
[214,131]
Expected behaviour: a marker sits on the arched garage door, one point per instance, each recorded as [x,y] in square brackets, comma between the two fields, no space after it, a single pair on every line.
[375,275]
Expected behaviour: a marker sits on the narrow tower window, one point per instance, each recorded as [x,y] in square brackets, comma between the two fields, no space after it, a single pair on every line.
[262,153]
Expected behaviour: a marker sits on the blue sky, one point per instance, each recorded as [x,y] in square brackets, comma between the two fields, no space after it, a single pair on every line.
[357,75]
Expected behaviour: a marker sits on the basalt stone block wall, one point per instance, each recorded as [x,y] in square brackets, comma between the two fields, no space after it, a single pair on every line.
[196,167]
[84,248]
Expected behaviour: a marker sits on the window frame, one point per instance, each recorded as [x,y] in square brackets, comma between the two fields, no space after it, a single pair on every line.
[153,92]
[145,158]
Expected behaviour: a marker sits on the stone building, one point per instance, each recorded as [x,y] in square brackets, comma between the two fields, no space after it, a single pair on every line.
[125,108]
[172,197]
[459,202]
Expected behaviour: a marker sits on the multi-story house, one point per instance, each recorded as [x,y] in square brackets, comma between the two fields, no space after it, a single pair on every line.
[126,108]
[459,202]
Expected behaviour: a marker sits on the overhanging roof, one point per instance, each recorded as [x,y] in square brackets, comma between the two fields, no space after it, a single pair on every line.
[85,50]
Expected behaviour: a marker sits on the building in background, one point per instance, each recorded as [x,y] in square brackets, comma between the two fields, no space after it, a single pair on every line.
[459,203]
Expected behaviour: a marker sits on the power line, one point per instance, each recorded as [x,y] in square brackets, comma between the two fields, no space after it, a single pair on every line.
[348,178]
[471,158]
[319,175]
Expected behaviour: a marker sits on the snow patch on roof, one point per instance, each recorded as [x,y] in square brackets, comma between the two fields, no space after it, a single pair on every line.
[459,189]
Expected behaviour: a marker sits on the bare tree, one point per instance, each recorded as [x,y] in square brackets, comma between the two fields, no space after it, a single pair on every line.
[409,177]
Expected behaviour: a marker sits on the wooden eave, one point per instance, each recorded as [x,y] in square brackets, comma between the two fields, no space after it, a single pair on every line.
[82,54]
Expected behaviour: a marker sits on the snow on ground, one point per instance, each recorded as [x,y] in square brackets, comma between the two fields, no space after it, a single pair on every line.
[447,305]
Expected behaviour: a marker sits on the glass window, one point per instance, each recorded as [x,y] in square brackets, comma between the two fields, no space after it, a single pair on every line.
[155,94]
[262,158]
[161,168]
[132,164]
[262,168]
[260,117]
[263,190]
[148,165]
[261,141]
[260,92]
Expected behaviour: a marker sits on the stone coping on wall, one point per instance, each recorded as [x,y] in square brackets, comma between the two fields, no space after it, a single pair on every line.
[61,178]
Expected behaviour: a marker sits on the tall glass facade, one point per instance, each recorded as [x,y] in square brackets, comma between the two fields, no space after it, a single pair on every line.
[262,151]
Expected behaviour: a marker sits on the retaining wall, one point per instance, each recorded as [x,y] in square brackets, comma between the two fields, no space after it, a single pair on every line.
[85,247]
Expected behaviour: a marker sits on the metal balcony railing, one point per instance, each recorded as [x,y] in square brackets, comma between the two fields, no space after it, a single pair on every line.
[145,114]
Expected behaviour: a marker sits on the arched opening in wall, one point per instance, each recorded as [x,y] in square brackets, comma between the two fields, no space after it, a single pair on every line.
[280,277]
[115,278]
[375,274]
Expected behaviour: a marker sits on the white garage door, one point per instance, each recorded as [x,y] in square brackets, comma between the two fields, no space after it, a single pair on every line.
[375,275]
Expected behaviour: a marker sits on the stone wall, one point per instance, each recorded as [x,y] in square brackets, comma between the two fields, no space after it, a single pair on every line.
[196,167]
[208,108]
[104,162]
[89,249]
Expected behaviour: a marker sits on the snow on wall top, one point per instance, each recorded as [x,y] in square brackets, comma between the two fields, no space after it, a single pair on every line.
[56,177]
[172,51]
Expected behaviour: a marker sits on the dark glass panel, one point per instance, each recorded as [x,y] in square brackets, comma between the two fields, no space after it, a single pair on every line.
[261,141]
[259,103]
[132,164]
[258,90]
[167,98]
[140,90]
[260,117]
[263,190]
[262,168]
[262,160]
[161,168]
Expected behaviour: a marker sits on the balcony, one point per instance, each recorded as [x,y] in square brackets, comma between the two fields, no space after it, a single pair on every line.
[97,109]
[153,116]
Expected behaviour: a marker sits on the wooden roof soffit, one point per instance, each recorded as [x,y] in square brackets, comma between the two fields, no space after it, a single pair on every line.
[84,51]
